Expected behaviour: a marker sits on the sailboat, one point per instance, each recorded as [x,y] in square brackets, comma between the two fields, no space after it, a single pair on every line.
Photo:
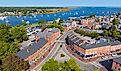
[76,13]
[54,14]
[48,15]
[82,11]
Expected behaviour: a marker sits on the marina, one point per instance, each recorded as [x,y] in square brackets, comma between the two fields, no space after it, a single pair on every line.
[75,12]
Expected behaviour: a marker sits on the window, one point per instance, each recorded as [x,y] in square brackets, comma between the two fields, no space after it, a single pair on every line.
[119,69]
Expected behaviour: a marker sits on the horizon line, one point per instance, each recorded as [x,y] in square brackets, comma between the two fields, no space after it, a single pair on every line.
[53,6]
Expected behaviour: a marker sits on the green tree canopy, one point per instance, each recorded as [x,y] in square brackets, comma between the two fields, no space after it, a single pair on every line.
[42,22]
[86,33]
[9,45]
[115,21]
[24,23]
[61,21]
[19,33]
[53,65]
[14,63]
[56,26]
[113,32]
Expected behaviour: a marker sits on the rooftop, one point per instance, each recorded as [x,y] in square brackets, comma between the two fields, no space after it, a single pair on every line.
[89,46]
[47,32]
[23,54]
[118,60]
[88,43]
[44,34]
[77,39]
[53,30]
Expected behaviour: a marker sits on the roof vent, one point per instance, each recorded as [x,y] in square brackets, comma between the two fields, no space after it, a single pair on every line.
[28,50]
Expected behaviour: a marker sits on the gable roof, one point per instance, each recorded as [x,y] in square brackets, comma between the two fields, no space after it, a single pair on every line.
[23,54]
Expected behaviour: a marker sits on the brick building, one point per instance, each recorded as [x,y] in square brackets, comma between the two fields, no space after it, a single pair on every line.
[87,22]
[39,46]
[34,51]
[112,64]
[50,34]
[87,50]
[116,65]
[69,25]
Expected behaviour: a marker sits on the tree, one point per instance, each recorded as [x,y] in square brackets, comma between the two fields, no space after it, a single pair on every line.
[94,35]
[51,65]
[5,26]
[115,21]
[19,34]
[9,45]
[115,34]
[64,67]
[14,63]
[113,28]
[86,33]
[42,22]
[73,65]
[61,21]
[7,49]
[56,26]
[97,20]
[24,23]
[106,33]
[54,22]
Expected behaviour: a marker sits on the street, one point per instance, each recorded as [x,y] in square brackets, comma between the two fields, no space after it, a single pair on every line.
[55,50]
[82,65]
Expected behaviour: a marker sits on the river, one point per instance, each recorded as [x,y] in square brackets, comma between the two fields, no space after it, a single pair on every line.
[75,12]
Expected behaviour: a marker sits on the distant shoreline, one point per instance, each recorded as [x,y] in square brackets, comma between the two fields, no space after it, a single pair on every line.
[24,11]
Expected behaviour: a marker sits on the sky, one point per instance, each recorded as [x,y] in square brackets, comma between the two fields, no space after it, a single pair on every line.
[61,3]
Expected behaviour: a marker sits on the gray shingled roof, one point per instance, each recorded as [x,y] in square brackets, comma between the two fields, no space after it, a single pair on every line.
[51,30]
[46,33]
[89,46]
[23,54]
[118,60]
[55,30]
[74,38]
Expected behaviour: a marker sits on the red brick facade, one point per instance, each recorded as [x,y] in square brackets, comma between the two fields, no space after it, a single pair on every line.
[116,66]
[39,53]
[99,51]
[87,22]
